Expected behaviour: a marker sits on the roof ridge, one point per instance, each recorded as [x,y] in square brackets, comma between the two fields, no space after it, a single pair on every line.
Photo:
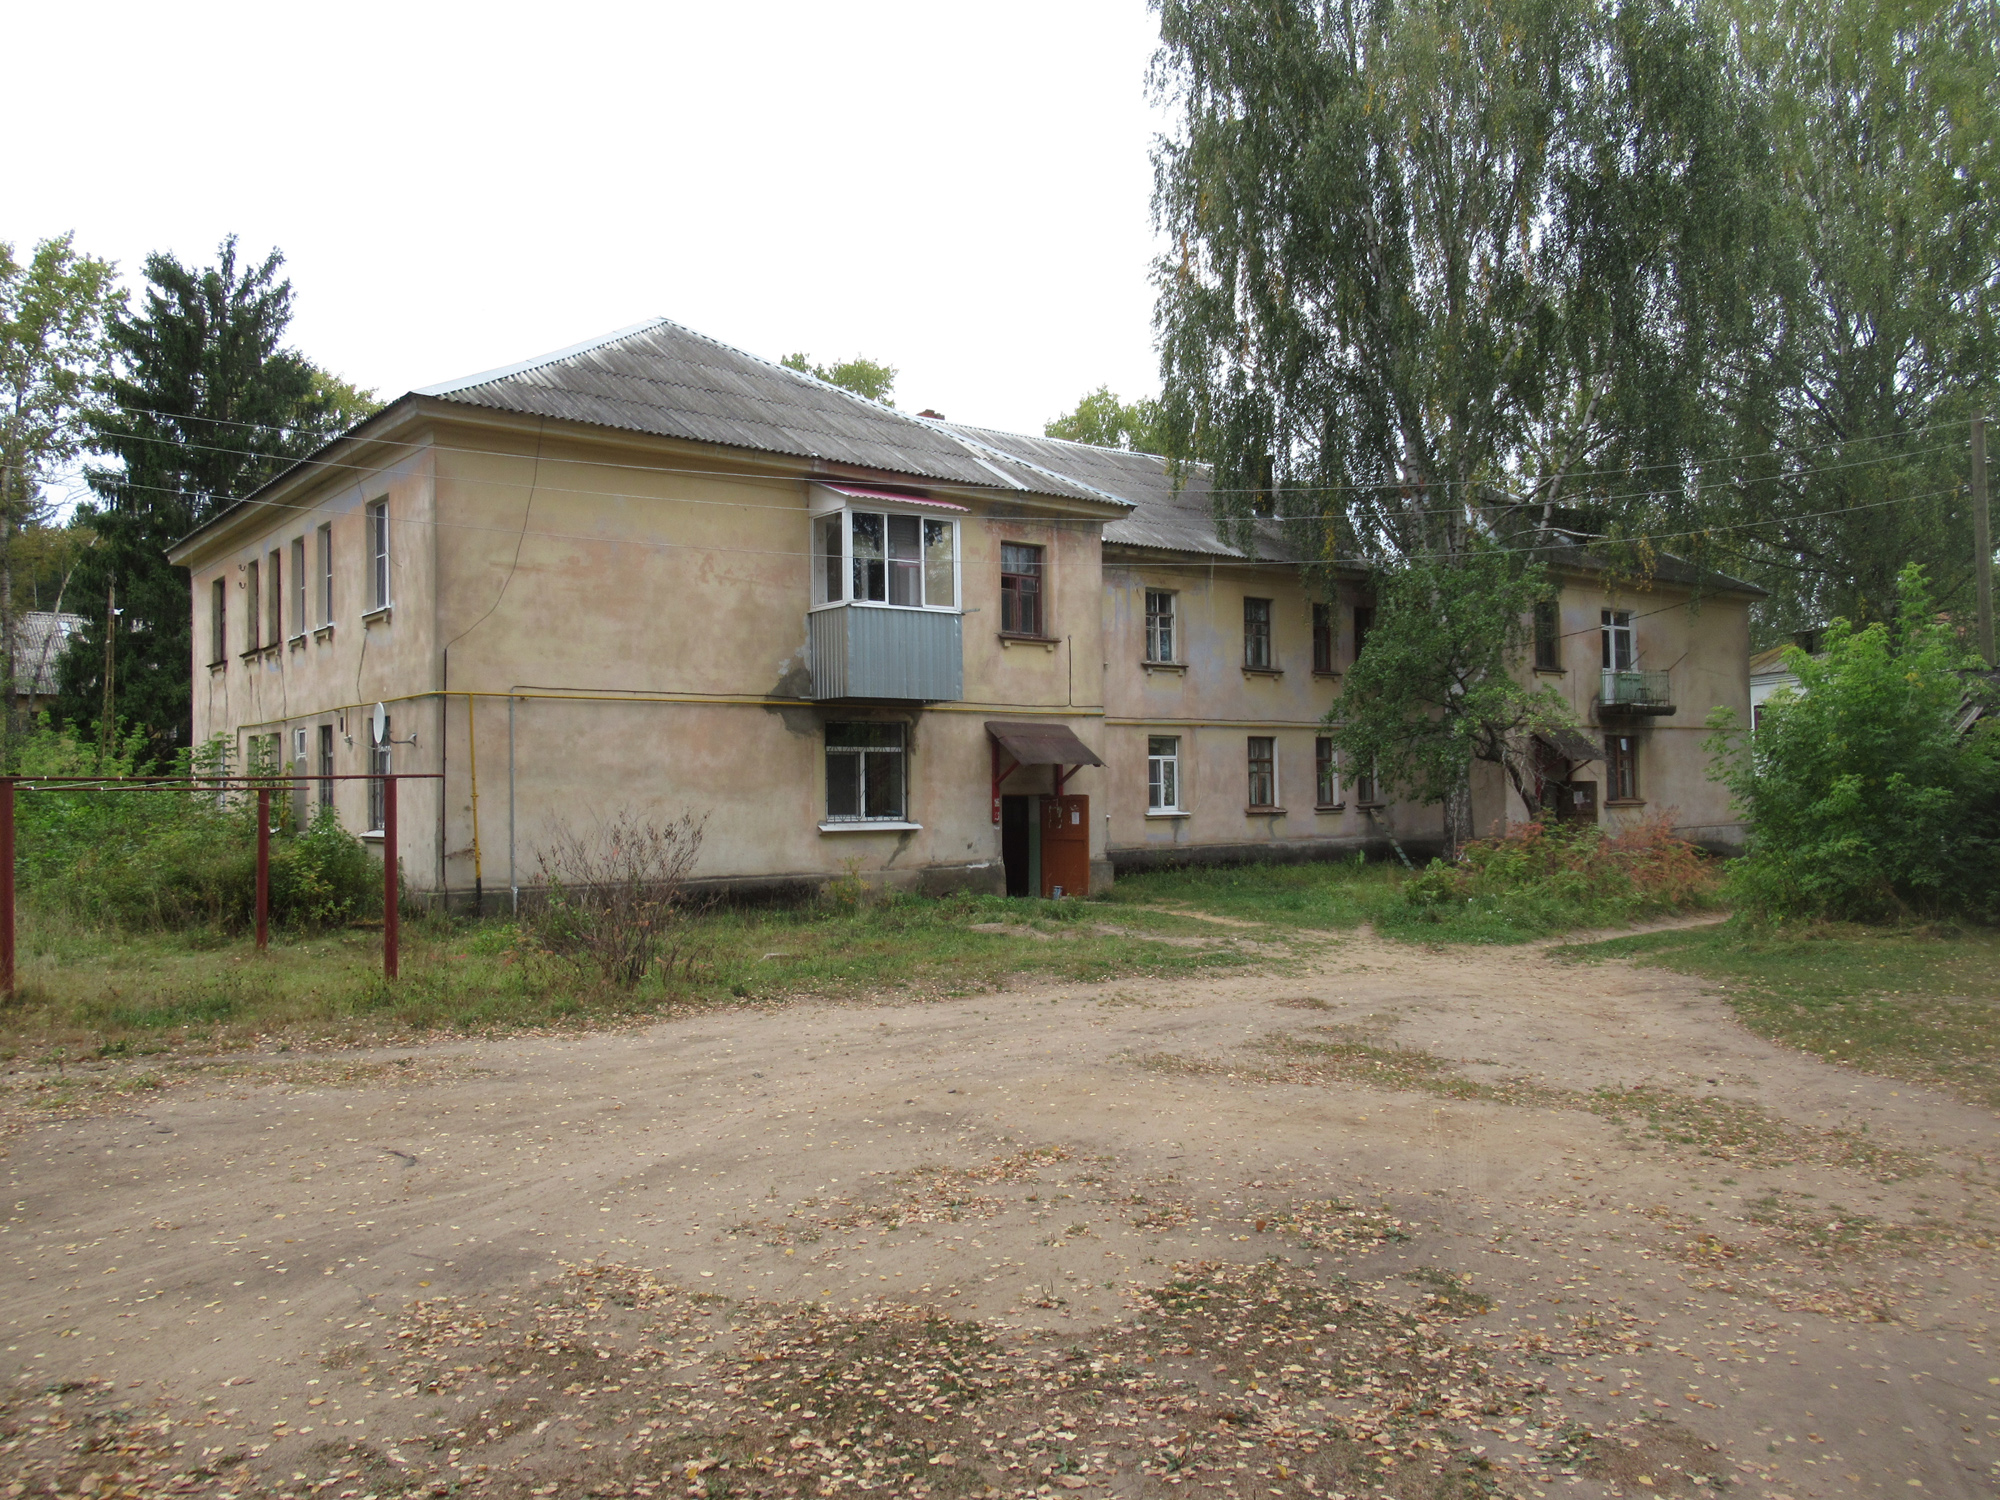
[1066,442]
[521,367]
[1033,467]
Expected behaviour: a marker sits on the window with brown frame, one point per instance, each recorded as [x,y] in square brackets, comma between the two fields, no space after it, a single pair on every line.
[299,623]
[1020,589]
[1326,772]
[1621,768]
[274,598]
[1548,637]
[1257,634]
[1159,625]
[1323,637]
[218,622]
[1364,621]
[250,608]
[1263,771]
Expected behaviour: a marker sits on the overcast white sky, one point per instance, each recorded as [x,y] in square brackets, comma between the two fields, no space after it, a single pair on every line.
[959,190]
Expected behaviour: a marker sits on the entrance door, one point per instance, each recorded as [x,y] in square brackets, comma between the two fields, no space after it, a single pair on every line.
[1065,846]
[1017,851]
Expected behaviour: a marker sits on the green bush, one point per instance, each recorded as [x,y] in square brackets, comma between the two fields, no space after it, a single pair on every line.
[175,858]
[1869,798]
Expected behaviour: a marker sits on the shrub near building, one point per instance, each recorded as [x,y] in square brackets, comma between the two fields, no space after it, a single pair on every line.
[1874,790]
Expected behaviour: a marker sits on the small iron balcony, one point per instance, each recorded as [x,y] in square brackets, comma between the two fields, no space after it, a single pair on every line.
[1635,693]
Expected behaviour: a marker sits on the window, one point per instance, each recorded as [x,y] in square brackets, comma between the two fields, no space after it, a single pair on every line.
[1548,637]
[1326,772]
[1616,628]
[326,765]
[1364,621]
[274,594]
[326,574]
[298,585]
[218,622]
[1020,589]
[1263,771]
[864,773]
[1159,625]
[378,554]
[1366,793]
[378,810]
[250,608]
[1257,634]
[908,561]
[1163,773]
[1621,768]
[1323,634]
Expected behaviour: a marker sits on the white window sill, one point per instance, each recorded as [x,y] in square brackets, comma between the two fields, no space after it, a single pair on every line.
[1162,812]
[322,632]
[372,836]
[869,825]
[381,612]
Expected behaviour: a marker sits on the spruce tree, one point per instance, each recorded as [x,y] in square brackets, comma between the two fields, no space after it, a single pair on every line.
[203,405]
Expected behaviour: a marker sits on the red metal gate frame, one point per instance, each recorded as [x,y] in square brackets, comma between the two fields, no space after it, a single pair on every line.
[263,786]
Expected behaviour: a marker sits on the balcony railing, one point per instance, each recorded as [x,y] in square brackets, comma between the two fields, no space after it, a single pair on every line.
[878,651]
[1636,693]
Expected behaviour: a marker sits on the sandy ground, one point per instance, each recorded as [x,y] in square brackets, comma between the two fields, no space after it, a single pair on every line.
[1387,1221]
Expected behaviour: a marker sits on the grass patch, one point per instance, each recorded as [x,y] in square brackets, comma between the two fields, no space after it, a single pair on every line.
[1921,1004]
[88,992]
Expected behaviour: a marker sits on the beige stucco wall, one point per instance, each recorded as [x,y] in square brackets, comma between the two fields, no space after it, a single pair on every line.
[641,609]
[1704,646]
[583,622]
[1213,705]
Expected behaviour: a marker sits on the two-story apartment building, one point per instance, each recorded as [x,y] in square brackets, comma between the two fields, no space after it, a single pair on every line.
[655,572]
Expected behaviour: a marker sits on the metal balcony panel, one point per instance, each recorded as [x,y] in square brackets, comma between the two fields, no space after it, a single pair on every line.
[1636,693]
[915,655]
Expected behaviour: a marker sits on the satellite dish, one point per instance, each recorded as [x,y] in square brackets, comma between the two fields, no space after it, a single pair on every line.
[380,723]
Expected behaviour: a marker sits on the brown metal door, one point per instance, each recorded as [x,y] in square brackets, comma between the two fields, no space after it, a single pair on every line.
[1065,846]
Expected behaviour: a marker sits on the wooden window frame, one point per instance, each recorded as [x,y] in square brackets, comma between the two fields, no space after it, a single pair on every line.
[1263,767]
[1023,597]
[1257,647]
[1325,634]
[1326,772]
[1162,626]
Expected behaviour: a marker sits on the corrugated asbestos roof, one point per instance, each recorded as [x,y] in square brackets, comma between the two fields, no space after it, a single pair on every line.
[1162,519]
[661,378]
[40,638]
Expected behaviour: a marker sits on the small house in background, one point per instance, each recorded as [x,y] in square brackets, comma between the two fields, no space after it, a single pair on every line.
[41,636]
[1769,674]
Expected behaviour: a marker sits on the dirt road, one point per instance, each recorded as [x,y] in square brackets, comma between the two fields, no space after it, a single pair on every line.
[1390,1222]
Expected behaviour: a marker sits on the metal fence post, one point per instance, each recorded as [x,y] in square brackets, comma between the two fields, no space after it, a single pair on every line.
[389,932]
[263,868]
[7,884]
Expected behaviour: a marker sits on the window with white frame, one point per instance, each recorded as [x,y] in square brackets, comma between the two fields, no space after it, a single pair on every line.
[1163,773]
[378,554]
[1160,641]
[885,557]
[1616,626]
[864,773]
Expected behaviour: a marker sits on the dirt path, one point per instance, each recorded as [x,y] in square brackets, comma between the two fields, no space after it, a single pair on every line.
[1424,1224]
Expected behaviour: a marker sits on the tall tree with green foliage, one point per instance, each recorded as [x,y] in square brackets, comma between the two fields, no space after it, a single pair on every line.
[1877,336]
[1430,250]
[53,310]
[861,375]
[1100,418]
[1868,793]
[204,404]
[1434,691]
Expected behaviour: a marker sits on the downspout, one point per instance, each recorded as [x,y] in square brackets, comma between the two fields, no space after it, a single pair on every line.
[513,884]
[472,772]
[444,786]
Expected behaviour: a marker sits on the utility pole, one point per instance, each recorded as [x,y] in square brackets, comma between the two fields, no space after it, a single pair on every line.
[107,733]
[1982,543]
